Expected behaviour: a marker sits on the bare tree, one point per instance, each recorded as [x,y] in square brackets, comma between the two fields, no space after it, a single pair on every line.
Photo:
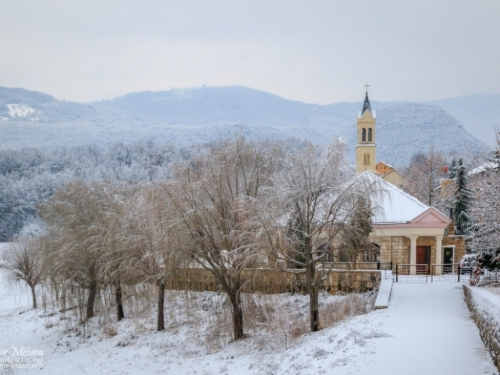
[216,201]
[155,241]
[76,220]
[24,262]
[322,197]
[113,249]
[423,175]
[485,208]
[354,238]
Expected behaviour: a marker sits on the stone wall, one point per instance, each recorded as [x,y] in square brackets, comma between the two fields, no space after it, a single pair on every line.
[486,314]
[395,249]
[459,242]
[276,281]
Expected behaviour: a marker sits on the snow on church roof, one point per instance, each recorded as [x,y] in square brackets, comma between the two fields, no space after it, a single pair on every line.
[396,205]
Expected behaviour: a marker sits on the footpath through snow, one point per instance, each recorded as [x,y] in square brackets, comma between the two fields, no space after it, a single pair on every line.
[431,333]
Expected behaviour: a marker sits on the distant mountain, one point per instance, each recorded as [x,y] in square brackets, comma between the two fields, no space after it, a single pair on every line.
[204,114]
[23,105]
[417,127]
[479,114]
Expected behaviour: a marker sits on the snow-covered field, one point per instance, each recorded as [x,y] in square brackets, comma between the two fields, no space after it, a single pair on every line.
[425,330]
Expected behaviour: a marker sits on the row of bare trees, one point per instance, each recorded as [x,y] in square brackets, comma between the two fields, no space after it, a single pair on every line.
[227,210]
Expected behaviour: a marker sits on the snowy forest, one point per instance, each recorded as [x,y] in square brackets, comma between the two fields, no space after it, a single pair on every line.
[31,175]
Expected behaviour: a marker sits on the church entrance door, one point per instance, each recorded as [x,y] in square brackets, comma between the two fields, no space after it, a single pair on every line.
[423,260]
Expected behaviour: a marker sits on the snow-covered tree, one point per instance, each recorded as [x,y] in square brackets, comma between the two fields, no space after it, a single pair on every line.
[23,261]
[462,200]
[423,175]
[321,198]
[452,172]
[485,213]
[216,201]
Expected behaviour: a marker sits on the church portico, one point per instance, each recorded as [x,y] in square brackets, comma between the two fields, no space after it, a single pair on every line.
[403,250]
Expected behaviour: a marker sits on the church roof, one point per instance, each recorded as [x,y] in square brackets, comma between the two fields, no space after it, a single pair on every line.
[366,105]
[397,207]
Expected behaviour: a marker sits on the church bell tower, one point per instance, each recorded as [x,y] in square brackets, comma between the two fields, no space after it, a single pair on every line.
[365,149]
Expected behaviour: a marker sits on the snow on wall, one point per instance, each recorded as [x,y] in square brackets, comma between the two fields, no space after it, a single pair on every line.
[485,310]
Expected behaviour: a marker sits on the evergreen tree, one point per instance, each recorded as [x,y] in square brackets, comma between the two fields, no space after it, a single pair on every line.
[453,169]
[489,259]
[463,197]
[495,157]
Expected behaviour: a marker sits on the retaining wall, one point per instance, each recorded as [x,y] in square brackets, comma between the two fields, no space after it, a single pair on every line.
[485,310]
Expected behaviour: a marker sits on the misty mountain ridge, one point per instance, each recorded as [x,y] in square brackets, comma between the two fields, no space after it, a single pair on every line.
[205,114]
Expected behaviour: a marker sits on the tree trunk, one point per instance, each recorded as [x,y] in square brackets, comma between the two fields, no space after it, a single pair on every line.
[312,286]
[91,299]
[119,304]
[237,317]
[314,308]
[34,296]
[161,304]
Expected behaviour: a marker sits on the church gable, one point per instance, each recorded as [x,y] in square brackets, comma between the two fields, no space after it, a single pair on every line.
[431,218]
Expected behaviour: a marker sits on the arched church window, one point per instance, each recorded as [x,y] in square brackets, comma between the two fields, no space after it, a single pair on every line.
[363,135]
[369,134]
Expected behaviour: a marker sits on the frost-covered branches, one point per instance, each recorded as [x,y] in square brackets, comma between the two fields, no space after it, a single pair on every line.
[24,262]
[485,211]
[423,174]
[216,200]
[326,208]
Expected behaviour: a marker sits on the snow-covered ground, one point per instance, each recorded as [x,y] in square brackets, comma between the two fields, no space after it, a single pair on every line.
[425,330]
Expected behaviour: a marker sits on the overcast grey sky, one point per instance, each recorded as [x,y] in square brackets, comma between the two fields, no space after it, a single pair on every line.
[312,51]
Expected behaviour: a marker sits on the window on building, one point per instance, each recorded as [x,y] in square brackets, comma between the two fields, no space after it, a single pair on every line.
[366,159]
[363,135]
[369,134]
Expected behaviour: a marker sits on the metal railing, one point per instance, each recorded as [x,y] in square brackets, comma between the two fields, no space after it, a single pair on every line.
[411,273]
[423,273]
[446,272]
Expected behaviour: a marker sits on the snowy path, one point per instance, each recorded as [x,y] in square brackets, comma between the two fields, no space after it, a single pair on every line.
[432,333]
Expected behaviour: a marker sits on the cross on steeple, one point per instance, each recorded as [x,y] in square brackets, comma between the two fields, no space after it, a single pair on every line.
[366,86]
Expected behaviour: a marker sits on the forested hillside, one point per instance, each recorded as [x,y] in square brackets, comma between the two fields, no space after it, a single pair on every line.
[29,176]
[206,114]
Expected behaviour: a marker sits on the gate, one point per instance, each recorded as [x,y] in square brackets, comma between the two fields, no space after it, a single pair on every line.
[423,273]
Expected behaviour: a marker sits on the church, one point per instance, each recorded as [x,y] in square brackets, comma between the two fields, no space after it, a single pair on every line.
[407,232]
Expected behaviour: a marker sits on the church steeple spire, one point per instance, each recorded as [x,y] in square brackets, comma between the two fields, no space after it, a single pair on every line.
[366,105]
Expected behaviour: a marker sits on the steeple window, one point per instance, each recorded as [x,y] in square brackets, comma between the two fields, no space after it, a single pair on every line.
[363,135]
[366,159]
[370,135]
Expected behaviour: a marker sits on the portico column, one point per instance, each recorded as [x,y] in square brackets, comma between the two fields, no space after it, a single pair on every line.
[439,255]
[413,254]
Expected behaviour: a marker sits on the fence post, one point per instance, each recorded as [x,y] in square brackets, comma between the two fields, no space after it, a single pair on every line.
[433,269]
[459,272]
[396,272]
